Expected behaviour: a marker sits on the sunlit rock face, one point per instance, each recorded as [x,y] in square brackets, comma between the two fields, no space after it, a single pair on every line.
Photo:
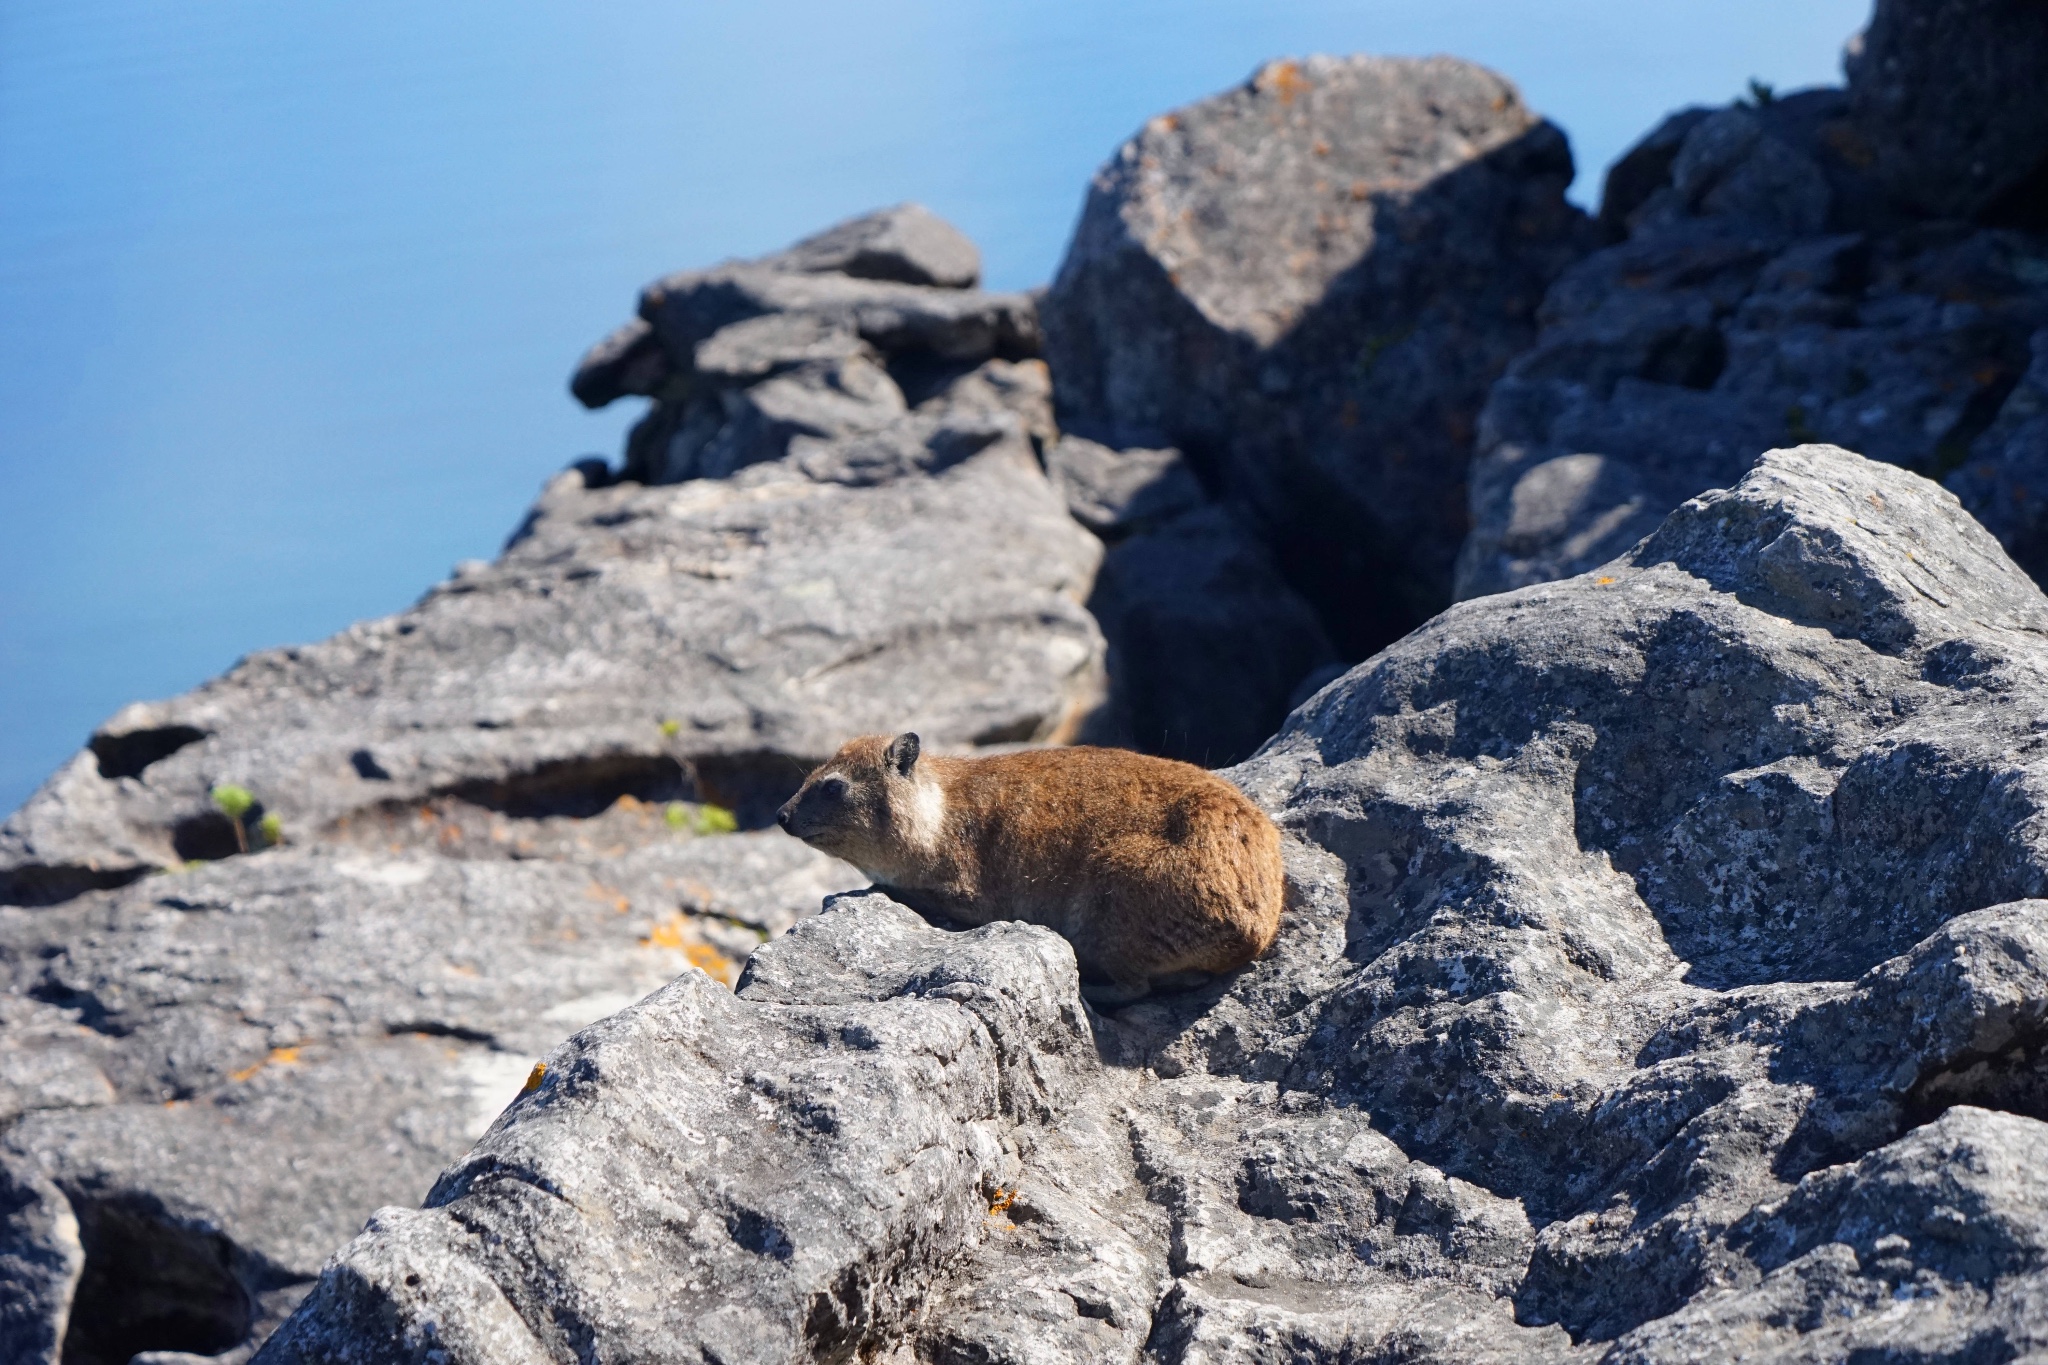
[1663,977]
[1665,969]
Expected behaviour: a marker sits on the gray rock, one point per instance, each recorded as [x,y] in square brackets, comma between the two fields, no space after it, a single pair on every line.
[1207,643]
[826,400]
[1732,163]
[908,244]
[845,1125]
[2007,472]
[629,361]
[753,350]
[1776,286]
[1307,283]
[1658,983]
[960,325]
[232,1067]
[1113,492]
[1020,388]
[702,642]
[1644,169]
[1724,326]
[834,337]
[1623,1003]
[1948,96]
[40,1262]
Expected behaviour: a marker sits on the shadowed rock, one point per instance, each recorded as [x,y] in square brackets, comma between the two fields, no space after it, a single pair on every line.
[1794,270]
[1949,96]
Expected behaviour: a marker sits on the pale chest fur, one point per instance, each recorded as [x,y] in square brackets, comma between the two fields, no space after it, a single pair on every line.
[915,854]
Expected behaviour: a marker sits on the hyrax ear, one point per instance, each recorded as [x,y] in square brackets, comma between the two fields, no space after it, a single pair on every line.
[902,753]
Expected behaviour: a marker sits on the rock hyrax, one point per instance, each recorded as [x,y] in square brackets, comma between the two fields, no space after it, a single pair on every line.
[1149,867]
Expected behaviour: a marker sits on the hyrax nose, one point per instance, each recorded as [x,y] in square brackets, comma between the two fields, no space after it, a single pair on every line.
[782,816]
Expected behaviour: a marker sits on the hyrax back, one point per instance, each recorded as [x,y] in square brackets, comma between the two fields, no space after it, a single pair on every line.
[1147,866]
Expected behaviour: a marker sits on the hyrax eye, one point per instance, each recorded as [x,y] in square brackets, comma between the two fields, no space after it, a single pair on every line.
[833,789]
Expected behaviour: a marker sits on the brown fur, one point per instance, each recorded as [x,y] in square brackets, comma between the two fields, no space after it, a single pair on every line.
[1147,866]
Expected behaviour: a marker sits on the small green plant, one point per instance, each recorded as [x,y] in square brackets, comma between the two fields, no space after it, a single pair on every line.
[1761,93]
[705,819]
[234,802]
[715,820]
[271,827]
[671,728]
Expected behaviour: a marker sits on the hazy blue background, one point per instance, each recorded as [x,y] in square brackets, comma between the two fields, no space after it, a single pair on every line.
[289,293]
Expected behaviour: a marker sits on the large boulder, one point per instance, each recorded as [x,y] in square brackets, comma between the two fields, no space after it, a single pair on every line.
[1947,95]
[706,642]
[854,1114]
[1307,284]
[1663,980]
[1769,289]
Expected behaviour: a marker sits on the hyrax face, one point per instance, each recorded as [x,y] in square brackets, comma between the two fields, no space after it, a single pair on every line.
[845,807]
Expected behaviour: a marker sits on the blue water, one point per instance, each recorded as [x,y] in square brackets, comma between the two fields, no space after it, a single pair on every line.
[289,292]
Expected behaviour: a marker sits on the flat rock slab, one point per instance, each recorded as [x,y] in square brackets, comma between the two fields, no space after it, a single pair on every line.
[706,642]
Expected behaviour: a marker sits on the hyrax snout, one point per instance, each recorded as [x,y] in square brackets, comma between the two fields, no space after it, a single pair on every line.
[1148,867]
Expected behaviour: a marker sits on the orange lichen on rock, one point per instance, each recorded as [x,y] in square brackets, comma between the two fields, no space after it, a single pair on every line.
[710,961]
[278,1056]
[1282,78]
[667,934]
[676,933]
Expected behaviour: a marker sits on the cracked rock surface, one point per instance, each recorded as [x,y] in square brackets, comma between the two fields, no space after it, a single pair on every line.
[705,642]
[1664,978]
[209,1080]
[481,824]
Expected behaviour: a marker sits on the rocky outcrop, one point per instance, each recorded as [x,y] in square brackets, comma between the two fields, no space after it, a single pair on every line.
[834,338]
[853,1111]
[1660,980]
[1795,269]
[800,357]
[209,1080]
[274,953]
[1307,284]
[1665,969]
[700,643]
